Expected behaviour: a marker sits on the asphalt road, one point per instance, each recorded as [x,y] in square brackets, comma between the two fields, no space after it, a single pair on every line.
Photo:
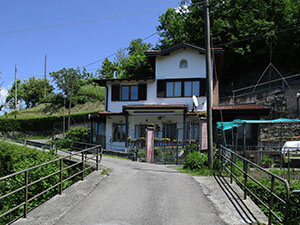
[140,194]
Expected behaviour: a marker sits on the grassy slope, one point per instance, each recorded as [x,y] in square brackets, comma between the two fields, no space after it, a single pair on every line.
[46,109]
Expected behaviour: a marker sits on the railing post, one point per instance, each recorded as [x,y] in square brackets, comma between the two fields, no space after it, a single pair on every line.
[97,158]
[26,194]
[82,166]
[245,179]
[231,167]
[60,176]
[271,200]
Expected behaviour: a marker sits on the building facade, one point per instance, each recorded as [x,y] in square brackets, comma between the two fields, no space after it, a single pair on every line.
[170,100]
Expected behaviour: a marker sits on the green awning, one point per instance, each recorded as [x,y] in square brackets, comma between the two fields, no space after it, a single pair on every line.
[237,123]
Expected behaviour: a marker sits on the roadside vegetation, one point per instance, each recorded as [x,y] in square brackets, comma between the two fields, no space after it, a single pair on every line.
[14,158]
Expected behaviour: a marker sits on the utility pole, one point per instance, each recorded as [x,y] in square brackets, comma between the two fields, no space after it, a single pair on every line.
[208,84]
[70,104]
[45,74]
[16,103]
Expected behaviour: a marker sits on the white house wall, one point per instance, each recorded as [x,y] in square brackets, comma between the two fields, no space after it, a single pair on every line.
[167,67]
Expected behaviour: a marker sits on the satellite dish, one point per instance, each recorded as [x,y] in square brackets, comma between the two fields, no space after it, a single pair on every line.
[195,101]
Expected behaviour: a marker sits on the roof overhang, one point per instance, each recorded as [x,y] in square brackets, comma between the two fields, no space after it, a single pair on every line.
[103,82]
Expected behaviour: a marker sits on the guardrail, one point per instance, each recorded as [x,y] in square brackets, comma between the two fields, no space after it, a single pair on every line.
[228,159]
[84,162]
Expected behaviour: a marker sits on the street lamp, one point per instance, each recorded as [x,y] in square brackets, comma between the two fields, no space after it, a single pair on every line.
[298,96]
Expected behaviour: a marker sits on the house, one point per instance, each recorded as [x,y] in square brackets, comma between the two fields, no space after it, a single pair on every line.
[164,100]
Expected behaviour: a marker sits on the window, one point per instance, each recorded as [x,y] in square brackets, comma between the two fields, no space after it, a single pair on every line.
[181,88]
[129,92]
[174,89]
[194,132]
[119,132]
[191,88]
[170,131]
[183,64]
[140,130]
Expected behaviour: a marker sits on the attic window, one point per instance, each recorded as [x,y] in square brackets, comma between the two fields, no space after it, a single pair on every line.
[183,63]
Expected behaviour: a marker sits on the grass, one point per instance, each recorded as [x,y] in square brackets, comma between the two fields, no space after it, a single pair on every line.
[46,109]
[105,171]
[198,172]
[115,157]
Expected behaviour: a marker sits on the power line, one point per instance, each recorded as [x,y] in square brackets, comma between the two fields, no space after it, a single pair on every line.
[257,36]
[77,22]
[100,60]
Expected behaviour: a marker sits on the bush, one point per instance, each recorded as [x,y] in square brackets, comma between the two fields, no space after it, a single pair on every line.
[196,160]
[78,134]
[44,123]
[190,149]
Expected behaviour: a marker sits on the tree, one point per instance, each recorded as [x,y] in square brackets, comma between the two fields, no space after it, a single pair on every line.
[107,69]
[33,90]
[10,98]
[64,77]
[132,63]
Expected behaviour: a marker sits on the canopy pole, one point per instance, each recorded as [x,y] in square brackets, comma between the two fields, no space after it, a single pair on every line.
[244,134]
[281,146]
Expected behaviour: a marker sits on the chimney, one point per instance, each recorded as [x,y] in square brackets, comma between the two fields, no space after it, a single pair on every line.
[115,74]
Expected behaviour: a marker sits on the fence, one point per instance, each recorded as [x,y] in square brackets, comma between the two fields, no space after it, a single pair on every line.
[266,86]
[229,162]
[83,164]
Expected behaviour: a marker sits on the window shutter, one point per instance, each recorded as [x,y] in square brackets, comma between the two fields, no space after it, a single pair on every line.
[142,91]
[202,87]
[161,88]
[115,92]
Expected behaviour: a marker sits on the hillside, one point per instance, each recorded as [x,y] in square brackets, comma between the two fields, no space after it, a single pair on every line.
[47,109]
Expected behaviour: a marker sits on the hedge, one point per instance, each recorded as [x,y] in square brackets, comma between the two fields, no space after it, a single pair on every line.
[45,123]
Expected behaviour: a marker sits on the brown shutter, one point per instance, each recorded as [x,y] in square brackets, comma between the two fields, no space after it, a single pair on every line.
[142,91]
[161,88]
[115,92]
[203,87]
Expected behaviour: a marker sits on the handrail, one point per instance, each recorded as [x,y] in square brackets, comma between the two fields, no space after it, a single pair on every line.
[60,168]
[227,156]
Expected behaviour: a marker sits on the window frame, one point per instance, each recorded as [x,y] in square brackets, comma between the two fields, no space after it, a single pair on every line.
[162,92]
[129,93]
[183,64]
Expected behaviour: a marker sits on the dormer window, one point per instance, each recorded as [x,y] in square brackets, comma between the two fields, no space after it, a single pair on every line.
[183,63]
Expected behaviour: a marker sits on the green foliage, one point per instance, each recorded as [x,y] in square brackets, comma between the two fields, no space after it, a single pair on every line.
[65,77]
[78,134]
[30,91]
[92,91]
[133,65]
[196,160]
[267,160]
[44,123]
[14,158]
[10,98]
[190,149]
[33,91]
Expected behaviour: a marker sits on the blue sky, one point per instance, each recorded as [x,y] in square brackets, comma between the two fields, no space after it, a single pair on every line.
[71,32]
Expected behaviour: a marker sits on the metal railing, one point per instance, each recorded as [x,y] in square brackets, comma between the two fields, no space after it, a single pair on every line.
[265,86]
[84,163]
[228,159]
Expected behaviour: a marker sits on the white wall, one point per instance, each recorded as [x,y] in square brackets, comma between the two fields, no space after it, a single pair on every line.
[167,67]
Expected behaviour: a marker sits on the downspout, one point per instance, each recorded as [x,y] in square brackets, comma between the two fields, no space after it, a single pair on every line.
[106,98]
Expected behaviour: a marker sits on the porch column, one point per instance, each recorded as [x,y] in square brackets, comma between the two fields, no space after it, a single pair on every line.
[127,129]
[184,126]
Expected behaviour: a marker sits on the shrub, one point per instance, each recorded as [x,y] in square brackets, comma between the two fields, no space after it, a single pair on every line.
[190,149]
[196,160]
[44,123]
[78,134]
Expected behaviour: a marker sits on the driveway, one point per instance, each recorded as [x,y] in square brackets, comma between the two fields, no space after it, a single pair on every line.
[136,194]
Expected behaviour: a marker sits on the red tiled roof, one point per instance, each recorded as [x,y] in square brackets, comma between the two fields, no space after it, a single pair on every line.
[239,107]
[154,106]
